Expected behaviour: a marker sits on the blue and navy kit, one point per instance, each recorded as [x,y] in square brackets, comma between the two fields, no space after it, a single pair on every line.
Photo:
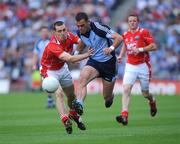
[39,48]
[98,38]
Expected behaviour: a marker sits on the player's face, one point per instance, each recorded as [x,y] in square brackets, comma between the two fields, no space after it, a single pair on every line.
[83,26]
[61,32]
[133,22]
[44,33]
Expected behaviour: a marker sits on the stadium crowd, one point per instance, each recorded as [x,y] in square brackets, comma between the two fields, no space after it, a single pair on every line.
[20,21]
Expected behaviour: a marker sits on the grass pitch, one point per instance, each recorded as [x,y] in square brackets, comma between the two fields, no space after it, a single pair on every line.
[25,120]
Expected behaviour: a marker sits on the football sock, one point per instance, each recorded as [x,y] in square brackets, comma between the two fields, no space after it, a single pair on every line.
[124,113]
[81,102]
[50,100]
[64,117]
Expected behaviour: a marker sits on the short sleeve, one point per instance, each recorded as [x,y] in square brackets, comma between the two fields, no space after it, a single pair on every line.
[74,38]
[148,37]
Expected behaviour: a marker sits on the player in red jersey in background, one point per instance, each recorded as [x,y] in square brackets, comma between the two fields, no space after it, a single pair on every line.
[53,62]
[138,42]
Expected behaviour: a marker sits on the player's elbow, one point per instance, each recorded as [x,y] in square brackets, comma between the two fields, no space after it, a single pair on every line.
[154,47]
[119,38]
[71,59]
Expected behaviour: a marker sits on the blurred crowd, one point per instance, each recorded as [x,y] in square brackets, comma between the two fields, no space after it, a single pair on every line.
[20,21]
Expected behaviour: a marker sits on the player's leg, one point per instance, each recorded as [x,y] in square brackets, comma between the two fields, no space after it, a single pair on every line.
[61,108]
[129,79]
[144,77]
[87,74]
[108,73]
[69,91]
[60,104]
[108,92]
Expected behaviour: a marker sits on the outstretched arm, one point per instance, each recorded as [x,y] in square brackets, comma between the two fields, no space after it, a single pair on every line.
[74,58]
[122,53]
[80,47]
[34,61]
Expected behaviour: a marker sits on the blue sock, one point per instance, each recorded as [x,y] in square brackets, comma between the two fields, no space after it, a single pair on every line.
[81,102]
[50,100]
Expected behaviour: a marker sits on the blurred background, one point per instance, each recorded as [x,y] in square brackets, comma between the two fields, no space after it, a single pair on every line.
[20,21]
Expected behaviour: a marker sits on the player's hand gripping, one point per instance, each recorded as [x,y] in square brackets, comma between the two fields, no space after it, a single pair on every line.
[90,51]
[107,51]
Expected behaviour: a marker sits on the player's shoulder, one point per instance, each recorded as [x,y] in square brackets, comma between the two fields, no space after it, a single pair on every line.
[126,34]
[70,33]
[38,41]
[144,30]
[51,45]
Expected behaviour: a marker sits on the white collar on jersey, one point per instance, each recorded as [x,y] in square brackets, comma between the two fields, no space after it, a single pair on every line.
[58,42]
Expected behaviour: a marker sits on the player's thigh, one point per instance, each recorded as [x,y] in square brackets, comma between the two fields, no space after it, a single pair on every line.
[69,91]
[144,77]
[65,78]
[87,74]
[144,82]
[130,74]
[129,78]
[108,87]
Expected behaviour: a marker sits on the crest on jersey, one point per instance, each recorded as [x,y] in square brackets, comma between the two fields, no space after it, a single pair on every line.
[137,37]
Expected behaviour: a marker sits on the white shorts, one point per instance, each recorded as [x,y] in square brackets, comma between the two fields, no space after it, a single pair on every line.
[63,75]
[142,72]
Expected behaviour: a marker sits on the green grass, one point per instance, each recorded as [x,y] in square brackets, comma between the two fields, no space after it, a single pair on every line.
[25,120]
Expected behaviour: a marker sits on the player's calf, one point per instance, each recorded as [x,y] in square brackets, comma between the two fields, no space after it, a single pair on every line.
[109,101]
[153,107]
[152,104]
[67,123]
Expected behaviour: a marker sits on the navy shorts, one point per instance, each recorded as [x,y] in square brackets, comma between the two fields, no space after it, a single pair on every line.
[107,70]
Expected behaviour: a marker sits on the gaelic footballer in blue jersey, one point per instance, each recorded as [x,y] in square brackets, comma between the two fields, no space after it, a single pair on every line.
[102,63]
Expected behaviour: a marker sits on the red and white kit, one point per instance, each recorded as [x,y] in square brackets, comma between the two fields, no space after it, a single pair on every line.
[137,66]
[52,65]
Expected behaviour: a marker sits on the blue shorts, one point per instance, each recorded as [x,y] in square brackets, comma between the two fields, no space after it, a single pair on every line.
[107,70]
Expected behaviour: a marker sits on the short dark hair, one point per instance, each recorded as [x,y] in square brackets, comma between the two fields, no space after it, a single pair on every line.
[81,15]
[44,27]
[57,23]
[134,15]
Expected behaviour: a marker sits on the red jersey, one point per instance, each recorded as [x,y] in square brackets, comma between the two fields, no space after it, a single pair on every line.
[50,59]
[139,39]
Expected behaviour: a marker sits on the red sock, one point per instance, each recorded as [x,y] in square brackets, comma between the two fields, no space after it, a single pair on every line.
[73,113]
[124,113]
[64,118]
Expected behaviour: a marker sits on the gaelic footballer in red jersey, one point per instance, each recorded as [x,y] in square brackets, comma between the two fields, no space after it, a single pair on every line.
[138,42]
[56,54]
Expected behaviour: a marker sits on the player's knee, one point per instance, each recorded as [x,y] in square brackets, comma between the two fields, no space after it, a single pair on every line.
[146,94]
[59,94]
[83,81]
[127,90]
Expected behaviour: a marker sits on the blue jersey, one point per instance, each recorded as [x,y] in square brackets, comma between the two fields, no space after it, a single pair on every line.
[99,37]
[39,48]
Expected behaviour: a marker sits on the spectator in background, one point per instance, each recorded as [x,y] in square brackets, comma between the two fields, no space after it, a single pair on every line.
[138,42]
[37,55]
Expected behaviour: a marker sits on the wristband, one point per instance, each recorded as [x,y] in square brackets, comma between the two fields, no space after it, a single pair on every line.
[112,47]
[141,49]
[76,52]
